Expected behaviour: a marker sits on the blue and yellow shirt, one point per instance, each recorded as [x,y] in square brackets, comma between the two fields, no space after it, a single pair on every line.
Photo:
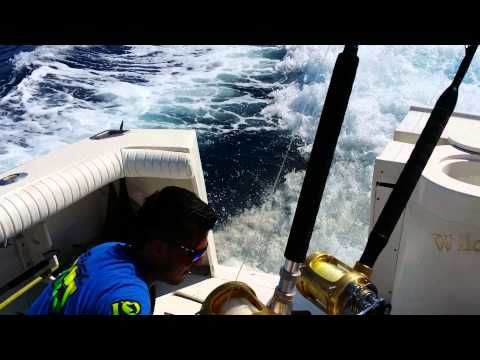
[103,281]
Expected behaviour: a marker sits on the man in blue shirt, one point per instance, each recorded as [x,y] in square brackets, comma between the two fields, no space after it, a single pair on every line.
[114,278]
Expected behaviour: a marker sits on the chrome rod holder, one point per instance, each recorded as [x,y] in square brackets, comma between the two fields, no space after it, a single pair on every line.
[281,302]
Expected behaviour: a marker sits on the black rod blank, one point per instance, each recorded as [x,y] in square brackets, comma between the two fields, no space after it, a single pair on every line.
[415,165]
[321,156]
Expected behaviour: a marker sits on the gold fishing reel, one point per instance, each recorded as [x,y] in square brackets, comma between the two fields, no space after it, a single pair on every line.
[338,289]
[233,298]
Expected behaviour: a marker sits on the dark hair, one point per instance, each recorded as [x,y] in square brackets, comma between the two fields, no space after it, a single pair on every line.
[173,215]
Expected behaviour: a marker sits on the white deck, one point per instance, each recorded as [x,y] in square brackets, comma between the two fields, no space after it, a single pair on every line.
[187,298]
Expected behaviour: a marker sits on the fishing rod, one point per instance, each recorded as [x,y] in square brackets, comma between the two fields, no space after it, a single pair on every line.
[316,175]
[415,165]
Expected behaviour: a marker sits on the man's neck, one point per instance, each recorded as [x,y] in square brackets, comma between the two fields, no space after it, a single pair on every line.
[141,265]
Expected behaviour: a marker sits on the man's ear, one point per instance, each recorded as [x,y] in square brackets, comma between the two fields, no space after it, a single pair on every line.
[159,248]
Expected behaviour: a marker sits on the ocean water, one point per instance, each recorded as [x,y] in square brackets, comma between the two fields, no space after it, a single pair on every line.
[252,107]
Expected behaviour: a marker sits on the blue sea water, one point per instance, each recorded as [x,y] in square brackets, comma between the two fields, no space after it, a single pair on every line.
[248,105]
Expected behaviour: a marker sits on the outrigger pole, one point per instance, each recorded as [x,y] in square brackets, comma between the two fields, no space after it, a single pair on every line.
[316,175]
[413,169]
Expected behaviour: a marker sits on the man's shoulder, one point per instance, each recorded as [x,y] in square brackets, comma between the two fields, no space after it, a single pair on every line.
[108,246]
[127,297]
[108,251]
[114,265]
[123,290]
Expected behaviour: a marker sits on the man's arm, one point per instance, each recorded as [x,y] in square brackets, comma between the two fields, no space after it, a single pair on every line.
[126,300]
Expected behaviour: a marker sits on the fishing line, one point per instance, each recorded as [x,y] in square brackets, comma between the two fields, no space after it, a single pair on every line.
[282,166]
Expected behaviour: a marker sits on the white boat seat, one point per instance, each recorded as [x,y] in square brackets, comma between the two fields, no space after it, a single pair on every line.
[40,198]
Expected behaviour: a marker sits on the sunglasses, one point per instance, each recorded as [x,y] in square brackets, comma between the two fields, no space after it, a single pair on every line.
[195,254]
